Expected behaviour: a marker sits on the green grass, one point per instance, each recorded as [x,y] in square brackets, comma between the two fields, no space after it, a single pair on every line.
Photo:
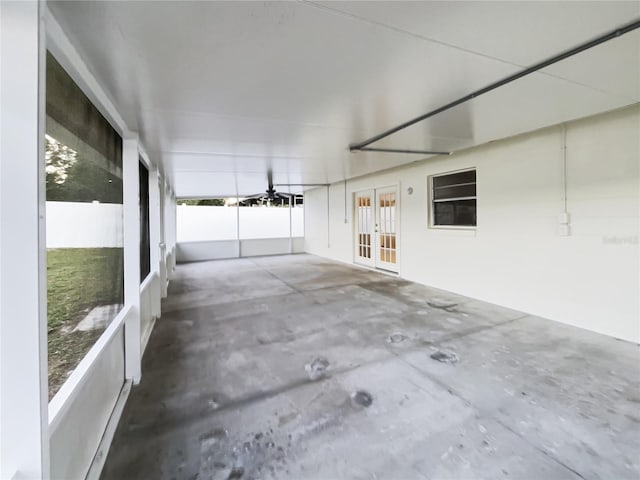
[78,279]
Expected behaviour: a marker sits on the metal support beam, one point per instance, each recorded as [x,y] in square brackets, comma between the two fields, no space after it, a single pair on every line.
[398,150]
[300,184]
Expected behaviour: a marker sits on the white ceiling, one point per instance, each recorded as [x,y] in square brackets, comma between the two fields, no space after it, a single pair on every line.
[222,91]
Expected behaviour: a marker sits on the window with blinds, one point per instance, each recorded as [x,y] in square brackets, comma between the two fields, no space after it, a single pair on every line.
[453,199]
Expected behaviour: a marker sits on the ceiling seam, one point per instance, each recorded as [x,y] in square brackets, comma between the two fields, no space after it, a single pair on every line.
[232,117]
[352,16]
[218,154]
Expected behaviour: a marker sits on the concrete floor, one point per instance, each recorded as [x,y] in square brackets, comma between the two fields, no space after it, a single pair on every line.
[226,389]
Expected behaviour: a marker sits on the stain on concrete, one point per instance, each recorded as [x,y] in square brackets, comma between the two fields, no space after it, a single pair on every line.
[317,368]
[444,356]
[395,338]
[227,457]
[284,419]
[441,304]
[236,472]
[361,398]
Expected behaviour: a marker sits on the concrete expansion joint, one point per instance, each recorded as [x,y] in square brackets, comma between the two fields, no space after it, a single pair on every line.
[481,412]
[269,272]
[543,451]
[490,415]
[473,331]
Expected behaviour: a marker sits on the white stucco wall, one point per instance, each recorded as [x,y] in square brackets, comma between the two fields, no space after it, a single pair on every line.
[516,256]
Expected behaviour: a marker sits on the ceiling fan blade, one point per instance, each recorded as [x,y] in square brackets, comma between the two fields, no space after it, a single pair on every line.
[270,178]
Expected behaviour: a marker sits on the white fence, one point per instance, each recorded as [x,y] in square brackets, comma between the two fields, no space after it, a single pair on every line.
[208,232]
[203,223]
[84,225]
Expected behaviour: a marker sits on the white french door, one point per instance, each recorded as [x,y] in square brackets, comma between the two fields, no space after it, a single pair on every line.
[376,242]
[365,218]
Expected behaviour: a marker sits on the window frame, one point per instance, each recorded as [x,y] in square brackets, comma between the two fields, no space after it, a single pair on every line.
[431,199]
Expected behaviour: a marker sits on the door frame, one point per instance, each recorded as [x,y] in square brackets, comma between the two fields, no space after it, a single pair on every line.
[373,263]
[358,259]
[379,263]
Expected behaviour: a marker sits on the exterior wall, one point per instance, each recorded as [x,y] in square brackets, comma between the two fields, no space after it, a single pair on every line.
[219,249]
[256,247]
[516,256]
[207,250]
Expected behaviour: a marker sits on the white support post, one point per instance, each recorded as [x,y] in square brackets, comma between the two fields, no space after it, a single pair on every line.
[24,436]
[162,245]
[173,232]
[238,226]
[328,218]
[131,193]
[290,228]
[155,236]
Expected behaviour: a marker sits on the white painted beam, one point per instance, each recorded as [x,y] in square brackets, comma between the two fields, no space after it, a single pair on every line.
[154,235]
[24,437]
[66,54]
[131,193]
[170,225]
[163,238]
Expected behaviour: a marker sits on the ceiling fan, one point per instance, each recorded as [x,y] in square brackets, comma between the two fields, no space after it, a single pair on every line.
[270,196]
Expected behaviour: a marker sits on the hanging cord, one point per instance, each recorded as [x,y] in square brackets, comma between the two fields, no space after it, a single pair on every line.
[564,168]
[345,202]
[328,220]
[564,216]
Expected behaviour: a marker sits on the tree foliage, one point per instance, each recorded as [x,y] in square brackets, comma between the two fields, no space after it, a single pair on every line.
[215,202]
[71,177]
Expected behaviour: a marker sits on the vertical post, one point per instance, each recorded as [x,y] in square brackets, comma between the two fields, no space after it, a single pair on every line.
[346,217]
[173,232]
[290,228]
[238,225]
[328,219]
[162,245]
[169,232]
[24,436]
[131,196]
[154,235]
